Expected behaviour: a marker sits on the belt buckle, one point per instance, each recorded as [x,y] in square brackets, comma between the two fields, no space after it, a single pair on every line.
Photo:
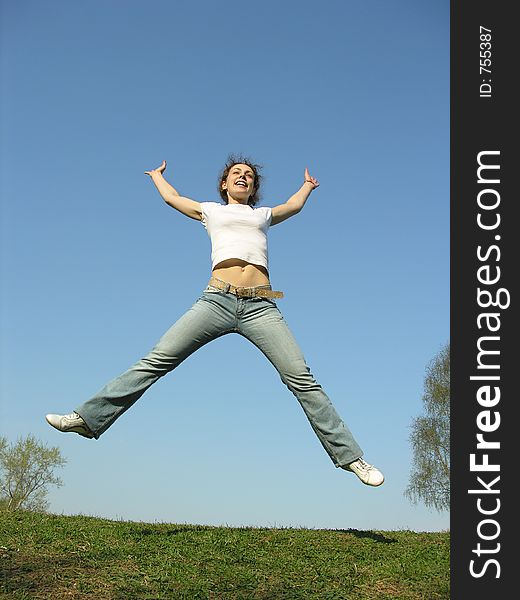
[243,292]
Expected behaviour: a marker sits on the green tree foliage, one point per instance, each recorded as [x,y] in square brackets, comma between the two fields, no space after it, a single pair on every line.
[26,470]
[430,438]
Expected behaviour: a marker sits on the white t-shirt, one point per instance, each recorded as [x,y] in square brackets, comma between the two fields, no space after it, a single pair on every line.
[237,231]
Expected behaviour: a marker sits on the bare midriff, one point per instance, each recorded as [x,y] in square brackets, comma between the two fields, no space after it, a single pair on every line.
[241,273]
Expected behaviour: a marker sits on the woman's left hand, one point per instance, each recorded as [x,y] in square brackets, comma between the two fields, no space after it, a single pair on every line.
[312,180]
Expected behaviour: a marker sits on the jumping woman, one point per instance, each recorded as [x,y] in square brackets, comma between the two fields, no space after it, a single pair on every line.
[238,299]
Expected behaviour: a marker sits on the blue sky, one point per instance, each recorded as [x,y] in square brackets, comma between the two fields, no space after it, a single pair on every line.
[95,267]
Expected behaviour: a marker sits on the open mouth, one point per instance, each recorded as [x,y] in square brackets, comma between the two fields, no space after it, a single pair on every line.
[241,183]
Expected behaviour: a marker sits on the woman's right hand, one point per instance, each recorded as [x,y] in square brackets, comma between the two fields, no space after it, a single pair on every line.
[159,170]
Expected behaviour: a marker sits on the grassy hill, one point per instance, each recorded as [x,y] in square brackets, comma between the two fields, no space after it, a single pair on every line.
[52,557]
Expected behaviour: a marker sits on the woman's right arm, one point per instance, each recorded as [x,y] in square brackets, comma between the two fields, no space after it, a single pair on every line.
[171,196]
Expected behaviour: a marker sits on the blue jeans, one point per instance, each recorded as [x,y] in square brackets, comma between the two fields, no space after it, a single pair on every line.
[217,313]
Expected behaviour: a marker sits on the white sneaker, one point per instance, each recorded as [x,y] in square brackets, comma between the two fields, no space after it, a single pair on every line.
[368,474]
[70,423]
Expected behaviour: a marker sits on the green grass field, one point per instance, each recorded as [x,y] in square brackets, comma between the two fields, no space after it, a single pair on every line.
[52,557]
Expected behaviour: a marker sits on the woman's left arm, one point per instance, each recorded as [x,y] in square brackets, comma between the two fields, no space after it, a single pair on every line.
[296,202]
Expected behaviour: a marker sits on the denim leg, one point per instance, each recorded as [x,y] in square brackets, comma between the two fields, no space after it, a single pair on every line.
[206,320]
[263,324]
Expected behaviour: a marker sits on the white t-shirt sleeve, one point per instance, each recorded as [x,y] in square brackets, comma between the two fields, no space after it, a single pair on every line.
[207,208]
[267,213]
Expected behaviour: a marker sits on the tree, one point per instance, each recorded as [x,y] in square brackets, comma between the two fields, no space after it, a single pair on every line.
[26,470]
[430,438]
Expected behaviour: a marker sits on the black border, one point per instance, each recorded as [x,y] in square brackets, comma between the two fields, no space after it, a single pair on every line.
[482,124]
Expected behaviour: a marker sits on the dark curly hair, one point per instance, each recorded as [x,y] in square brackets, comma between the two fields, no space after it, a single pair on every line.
[236,159]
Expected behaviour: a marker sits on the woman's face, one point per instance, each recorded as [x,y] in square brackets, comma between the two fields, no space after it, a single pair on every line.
[239,183]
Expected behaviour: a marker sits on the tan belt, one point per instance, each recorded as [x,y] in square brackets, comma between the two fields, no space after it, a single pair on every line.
[245,292]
